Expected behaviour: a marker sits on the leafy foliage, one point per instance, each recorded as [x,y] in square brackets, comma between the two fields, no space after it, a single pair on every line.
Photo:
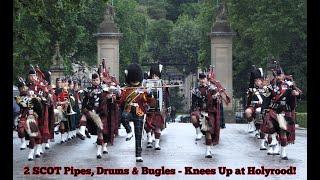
[172,31]
[38,25]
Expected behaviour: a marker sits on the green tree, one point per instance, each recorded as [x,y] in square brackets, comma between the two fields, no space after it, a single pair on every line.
[158,37]
[205,19]
[268,29]
[184,43]
[38,25]
[132,20]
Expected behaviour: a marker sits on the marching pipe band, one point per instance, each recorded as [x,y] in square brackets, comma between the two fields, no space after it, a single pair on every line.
[100,108]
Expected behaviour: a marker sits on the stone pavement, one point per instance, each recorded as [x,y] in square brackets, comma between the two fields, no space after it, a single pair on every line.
[237,149]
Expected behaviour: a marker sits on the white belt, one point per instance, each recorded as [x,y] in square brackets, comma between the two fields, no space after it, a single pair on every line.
[134,104]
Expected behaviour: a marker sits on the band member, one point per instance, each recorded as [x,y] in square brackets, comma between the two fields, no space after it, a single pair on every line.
[77,104]
[58,113]
[133,100]
[22,101]
[155,116]
[112,94]
[59,86]
[93,108]
[71,112]
[222,123]
[256,95]
[280,117]
[110,107]
[31,111]
[204,111]
[51,105]
[63,106]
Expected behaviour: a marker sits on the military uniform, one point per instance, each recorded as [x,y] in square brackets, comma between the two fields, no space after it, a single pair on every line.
[133,101]
[157,102]
[206,109]
[279,121]
[32,123]
[256,97]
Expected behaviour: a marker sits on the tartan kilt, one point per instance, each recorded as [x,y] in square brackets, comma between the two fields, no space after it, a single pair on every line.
[21,127]
[111,123]
[154,120]
[269,123]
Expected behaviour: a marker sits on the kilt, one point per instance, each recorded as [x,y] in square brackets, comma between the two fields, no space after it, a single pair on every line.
[154,120]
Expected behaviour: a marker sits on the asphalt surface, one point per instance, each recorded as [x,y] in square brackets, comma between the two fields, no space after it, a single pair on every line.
[179,156]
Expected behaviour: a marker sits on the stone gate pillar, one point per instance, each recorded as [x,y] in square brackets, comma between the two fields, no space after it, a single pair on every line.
[108,42]
[221,54]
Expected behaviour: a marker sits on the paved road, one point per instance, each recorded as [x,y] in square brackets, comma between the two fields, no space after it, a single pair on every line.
[237,149]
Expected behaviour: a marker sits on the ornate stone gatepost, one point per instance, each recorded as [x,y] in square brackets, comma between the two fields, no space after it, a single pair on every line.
[221,54]
[57,68]
[108,42]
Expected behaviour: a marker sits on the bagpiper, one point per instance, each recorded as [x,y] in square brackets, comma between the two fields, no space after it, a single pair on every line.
[205,109]
[31,111]
[94,110]
[279,120]
[51,106]
[22,101]
[110,116]
[256,94]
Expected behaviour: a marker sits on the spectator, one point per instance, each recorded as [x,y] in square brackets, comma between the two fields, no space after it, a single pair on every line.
[173,113]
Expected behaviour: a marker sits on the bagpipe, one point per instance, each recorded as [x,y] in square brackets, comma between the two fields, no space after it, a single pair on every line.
[276,66]
[108,83]
[104,73]
[42,83]
[220,88]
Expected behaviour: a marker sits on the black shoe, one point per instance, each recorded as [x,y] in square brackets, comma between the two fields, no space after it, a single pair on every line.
[158,148]
[98,156]
[61,142]
[87,134]
[46,148]
[270,153]
[285,158]
[129,138]
[69,139]
[22,148]
[139,160]
[149,145]
[30,159]
[105,152]
[209,156]
[263,149]
[37,156]
[80,136]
